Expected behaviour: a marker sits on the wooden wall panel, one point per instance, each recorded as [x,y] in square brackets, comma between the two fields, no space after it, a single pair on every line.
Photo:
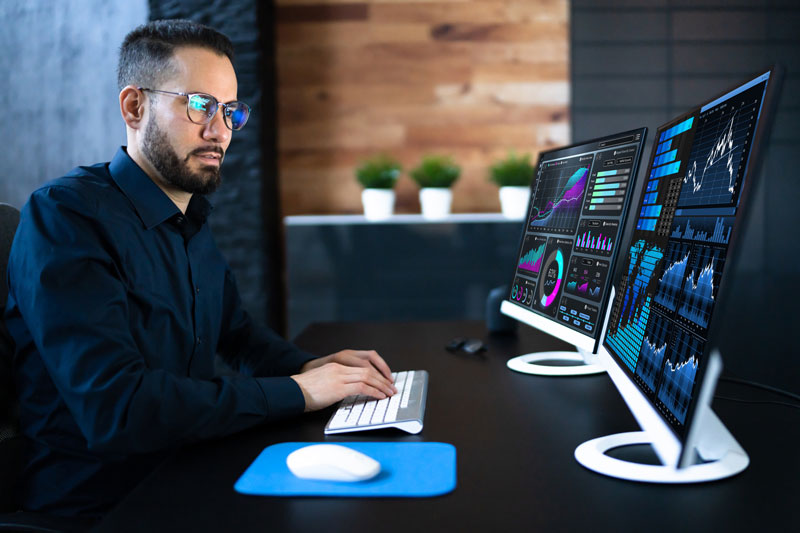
[468,78]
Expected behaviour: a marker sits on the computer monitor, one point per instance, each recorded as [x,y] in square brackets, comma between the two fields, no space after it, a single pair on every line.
[659,341]
[579,199]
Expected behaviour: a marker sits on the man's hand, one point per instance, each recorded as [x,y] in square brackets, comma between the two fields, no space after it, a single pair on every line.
[329,379]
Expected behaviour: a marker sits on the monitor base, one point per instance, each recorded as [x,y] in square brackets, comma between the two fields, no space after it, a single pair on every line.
[530,363]
[592,455]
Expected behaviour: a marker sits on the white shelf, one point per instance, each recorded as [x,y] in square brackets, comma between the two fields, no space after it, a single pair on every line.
[316,220]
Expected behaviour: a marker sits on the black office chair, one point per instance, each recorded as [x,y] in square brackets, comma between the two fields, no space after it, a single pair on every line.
[12,443]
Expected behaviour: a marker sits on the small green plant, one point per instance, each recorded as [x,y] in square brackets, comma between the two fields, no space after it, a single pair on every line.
[436,171]
[378,172]
[513,171]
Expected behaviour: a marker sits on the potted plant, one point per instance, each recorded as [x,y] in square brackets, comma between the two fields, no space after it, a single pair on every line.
[434,175]
[378,175]
[513,175]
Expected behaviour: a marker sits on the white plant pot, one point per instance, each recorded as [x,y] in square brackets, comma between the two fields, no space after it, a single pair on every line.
[514,201]
[378,203]
[435,202]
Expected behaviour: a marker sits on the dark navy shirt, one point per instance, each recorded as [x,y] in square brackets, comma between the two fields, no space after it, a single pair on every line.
[118,305]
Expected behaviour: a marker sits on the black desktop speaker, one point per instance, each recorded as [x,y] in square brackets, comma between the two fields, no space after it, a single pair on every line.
[496,322]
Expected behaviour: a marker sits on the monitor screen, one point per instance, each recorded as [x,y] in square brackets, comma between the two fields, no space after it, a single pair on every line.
[671,274]
[579,198]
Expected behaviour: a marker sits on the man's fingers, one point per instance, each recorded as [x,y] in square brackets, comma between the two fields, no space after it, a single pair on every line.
[369,376]
[372,358]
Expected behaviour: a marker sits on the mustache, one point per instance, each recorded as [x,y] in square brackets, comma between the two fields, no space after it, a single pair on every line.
[206,149]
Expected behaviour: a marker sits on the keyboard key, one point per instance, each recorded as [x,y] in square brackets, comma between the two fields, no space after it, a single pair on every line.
[366,416]
[355,414]
[407,390]
[380,411]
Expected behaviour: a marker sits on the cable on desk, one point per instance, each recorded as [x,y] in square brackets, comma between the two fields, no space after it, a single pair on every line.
[761,386]
[739,400]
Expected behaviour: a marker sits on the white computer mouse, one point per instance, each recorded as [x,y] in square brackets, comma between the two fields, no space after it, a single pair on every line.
[332,462]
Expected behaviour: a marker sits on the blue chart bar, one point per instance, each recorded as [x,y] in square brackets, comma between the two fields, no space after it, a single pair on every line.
[653,185]
[607,173]
[665,158]
[663,147]
[635,310]
[647,224]
[651,211]
[702,229]
[665,170]
[677,129]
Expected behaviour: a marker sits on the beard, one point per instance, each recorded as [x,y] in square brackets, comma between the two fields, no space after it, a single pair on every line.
[175,172]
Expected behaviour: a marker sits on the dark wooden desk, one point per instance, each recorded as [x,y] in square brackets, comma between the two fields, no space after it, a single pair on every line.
[515,435]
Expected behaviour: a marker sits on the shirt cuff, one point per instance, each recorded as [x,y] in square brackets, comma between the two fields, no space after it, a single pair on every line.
[283,397]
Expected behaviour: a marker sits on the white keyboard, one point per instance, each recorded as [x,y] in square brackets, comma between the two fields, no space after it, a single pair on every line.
[404,410]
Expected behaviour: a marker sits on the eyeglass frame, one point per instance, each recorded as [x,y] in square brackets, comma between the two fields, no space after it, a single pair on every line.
[188,97]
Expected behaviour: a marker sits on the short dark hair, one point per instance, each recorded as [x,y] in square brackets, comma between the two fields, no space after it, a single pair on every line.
[145,54]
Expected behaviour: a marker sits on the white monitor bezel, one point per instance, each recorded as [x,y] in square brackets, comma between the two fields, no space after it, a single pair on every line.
[549,326]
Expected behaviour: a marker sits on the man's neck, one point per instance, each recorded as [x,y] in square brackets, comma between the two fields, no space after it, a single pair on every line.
[179,197]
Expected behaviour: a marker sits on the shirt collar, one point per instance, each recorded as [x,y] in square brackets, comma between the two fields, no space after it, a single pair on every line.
[149,201]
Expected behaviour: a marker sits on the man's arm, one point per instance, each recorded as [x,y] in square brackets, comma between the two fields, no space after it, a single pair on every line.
[323,381]
[69,296]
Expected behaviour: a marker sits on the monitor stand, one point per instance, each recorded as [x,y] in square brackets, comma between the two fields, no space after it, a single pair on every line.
[535,363]
[713,452]
[725,459]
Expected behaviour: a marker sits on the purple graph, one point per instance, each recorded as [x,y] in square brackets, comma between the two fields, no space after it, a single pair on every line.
[558,207]
[600,243]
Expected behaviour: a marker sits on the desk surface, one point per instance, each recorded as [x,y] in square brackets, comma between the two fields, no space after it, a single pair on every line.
[515,435]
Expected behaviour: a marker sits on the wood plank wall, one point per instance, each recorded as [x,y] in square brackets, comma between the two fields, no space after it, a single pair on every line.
[468,78]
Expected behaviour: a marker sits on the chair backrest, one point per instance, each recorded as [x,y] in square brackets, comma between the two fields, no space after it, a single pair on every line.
[9,219]
[11,443]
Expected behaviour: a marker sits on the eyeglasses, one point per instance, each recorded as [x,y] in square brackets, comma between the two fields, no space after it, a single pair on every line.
[201,108]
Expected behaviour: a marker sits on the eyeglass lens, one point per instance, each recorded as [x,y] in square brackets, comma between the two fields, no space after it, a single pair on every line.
[201,109]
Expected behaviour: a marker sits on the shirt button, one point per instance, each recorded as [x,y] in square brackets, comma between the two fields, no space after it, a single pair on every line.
[180,220]
[198,340]
[197,290]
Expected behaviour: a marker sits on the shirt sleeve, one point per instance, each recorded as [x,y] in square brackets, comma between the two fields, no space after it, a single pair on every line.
[253,350]
[70,302]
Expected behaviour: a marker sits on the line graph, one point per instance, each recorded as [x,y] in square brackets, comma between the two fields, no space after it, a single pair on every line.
[651,355]
[723,136]
[700,287]
[669,286]
[559,196]
[586,277]
[679,371]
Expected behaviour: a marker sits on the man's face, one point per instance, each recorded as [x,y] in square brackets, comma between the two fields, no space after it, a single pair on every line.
[187,155]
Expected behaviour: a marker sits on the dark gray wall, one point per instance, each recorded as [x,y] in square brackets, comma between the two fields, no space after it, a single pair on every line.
[59,87]
[642,62]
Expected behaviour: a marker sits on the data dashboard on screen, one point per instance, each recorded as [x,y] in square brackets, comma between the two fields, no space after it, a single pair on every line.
[670,274]
[579,198]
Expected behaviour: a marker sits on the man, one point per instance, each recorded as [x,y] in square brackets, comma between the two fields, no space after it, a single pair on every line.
[119,300]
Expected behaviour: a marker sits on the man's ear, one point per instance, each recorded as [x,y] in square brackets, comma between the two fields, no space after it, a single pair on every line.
[131,105]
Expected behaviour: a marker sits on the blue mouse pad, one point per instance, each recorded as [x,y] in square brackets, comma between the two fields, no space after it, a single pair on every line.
[408,470]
